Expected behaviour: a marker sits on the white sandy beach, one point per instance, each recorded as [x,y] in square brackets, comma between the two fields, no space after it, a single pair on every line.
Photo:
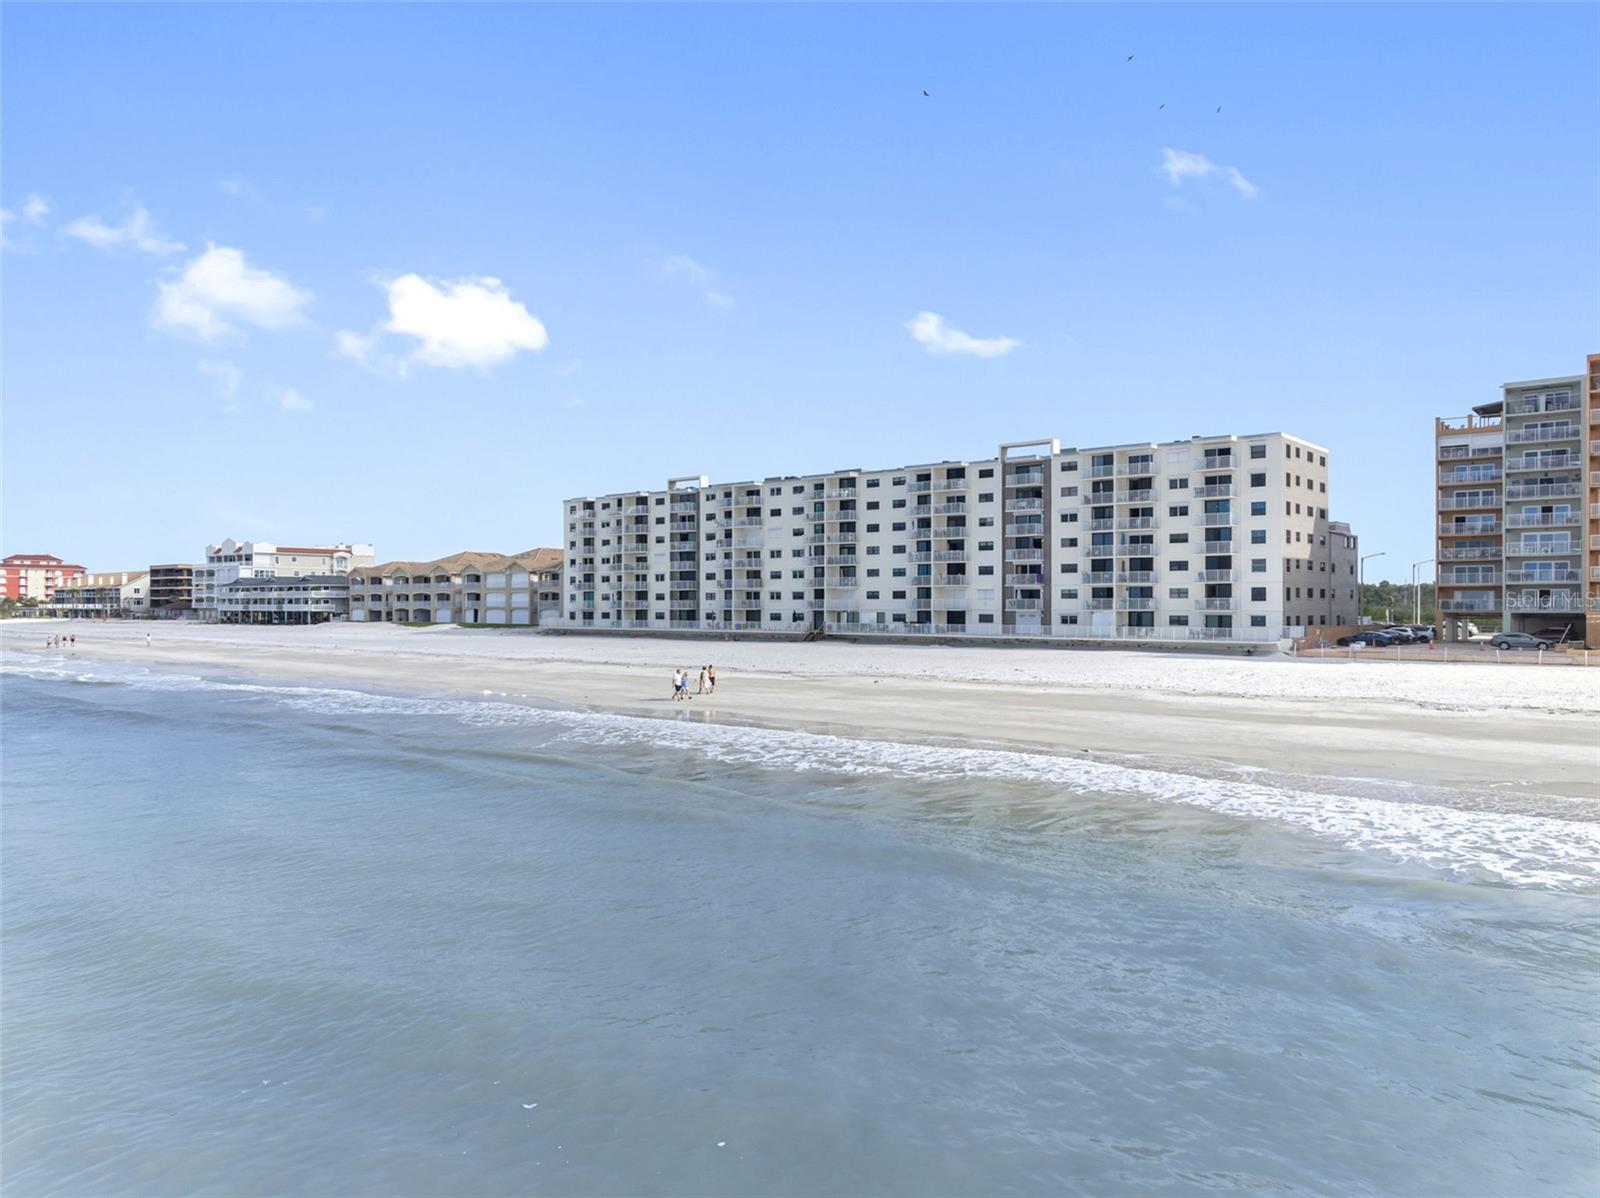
[1521,727]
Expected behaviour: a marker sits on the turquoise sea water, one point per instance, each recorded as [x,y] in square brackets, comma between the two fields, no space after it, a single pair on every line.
[278,939]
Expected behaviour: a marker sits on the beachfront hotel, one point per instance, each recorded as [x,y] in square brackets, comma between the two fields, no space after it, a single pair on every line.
[1516,548]
[1223,538]
[217,593]
[464,588]
[34,576]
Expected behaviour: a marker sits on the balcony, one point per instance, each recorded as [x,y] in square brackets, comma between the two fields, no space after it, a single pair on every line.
[841,559]
[684,505]
[1025,530]
[1569,490]
[941,555]
[1464,478]
[1545,520]
[1136,496]
[1024,604]
[1095,578]
[941,580]
[1098,604]
[1025,580]
[1476,578]
[841,538]
[1137,522]
[841,581]
[1542,577]
[744,522]
[1231,604]
[1543,462]
[841,516]
[1029,478]
[1216,519]
[1126,604]
[1217,491]
[1471,553]
[1560,432]
[1570,548]
[1013,554]
[1024,505]
[955,508]
[683,525]
[1143,469]
[840,493]
[1101,471]
[1136,577]
[1217,576]
[950,484]
[1105,524]
[1530,406]
[1469,606]
[1219,461]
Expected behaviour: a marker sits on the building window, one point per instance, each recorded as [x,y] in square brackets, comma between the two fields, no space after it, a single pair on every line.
[1258,480]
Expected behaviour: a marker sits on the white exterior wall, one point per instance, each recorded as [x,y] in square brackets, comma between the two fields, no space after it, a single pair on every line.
[1286,537]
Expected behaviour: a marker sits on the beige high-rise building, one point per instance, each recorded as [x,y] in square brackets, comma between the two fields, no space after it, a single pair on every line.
[1218,538]
[1516,549]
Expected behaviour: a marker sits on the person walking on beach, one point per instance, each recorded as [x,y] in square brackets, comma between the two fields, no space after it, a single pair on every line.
[147,640]
[705,685]
[680,685]
[711,680]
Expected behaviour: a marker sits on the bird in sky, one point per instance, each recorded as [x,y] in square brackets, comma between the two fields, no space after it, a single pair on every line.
[1159,109]
[1219,107]
[924,91]
[1130,58]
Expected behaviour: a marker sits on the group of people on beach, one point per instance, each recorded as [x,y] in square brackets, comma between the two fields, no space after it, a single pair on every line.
[680,682]
[60,642]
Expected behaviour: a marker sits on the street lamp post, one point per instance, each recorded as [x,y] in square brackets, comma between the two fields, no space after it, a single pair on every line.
[1416,591]
[1361,583]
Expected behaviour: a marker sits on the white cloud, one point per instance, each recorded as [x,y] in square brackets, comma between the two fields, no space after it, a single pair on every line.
[697,275]
[35,208]
[1179,166]
[219,289]
[929,330]
[570,369]
[468,323]
[574,401]
[292,401]
[137,232]
[227,377]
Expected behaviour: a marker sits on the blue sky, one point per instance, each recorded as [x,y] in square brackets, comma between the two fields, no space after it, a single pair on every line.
[443,266]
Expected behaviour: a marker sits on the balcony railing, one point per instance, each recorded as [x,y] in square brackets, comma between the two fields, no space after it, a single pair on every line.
[1461,478]
[1560,432]
[1136,496]
[1136,577]
[1219,461]
[1525,577]
[841,580]
[1470,553]
[1024,580]
[1559,549]
[1102,525]
[1469,606]
[1457,503]
[1030,478]
[1570,490]
[1024,604]
[1545,520]
[1137,522]
[1479,578]
[1217,491]
[1126,604]
[1216,604]
[1217,576]
[1098,604]
[1142,469]
[1529,407]
[1216,519]
[1024,505]
[1014,554]
[941,555]
[1553,461]
[1101,471]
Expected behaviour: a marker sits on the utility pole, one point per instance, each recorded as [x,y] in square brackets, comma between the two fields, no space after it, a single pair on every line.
[1361,584]
[1416,591]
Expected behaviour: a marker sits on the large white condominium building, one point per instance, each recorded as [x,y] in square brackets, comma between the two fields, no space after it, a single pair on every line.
[230,561]
[1220,538]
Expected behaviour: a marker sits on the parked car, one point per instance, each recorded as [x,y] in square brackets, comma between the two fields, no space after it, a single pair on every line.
[1518,640]
[1400,634]
[1557,634]
[1424,632]
[1367,638]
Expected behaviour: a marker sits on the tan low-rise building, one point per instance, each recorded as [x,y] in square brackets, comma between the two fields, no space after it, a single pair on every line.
[115,593]
[464,588]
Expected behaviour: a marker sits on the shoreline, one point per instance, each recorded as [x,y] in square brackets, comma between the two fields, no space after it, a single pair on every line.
[848,692]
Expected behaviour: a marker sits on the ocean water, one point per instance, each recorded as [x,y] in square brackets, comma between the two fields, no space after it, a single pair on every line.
[264,939]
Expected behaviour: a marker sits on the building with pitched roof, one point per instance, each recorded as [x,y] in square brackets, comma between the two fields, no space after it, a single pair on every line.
[464,588]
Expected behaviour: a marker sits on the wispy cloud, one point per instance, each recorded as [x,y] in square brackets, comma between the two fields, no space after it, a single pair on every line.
[137,232]
[219,290]
[929,330]
[1180,166]
[471,323]
[35,208]
[698,276]
[292,401]
[227,377]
